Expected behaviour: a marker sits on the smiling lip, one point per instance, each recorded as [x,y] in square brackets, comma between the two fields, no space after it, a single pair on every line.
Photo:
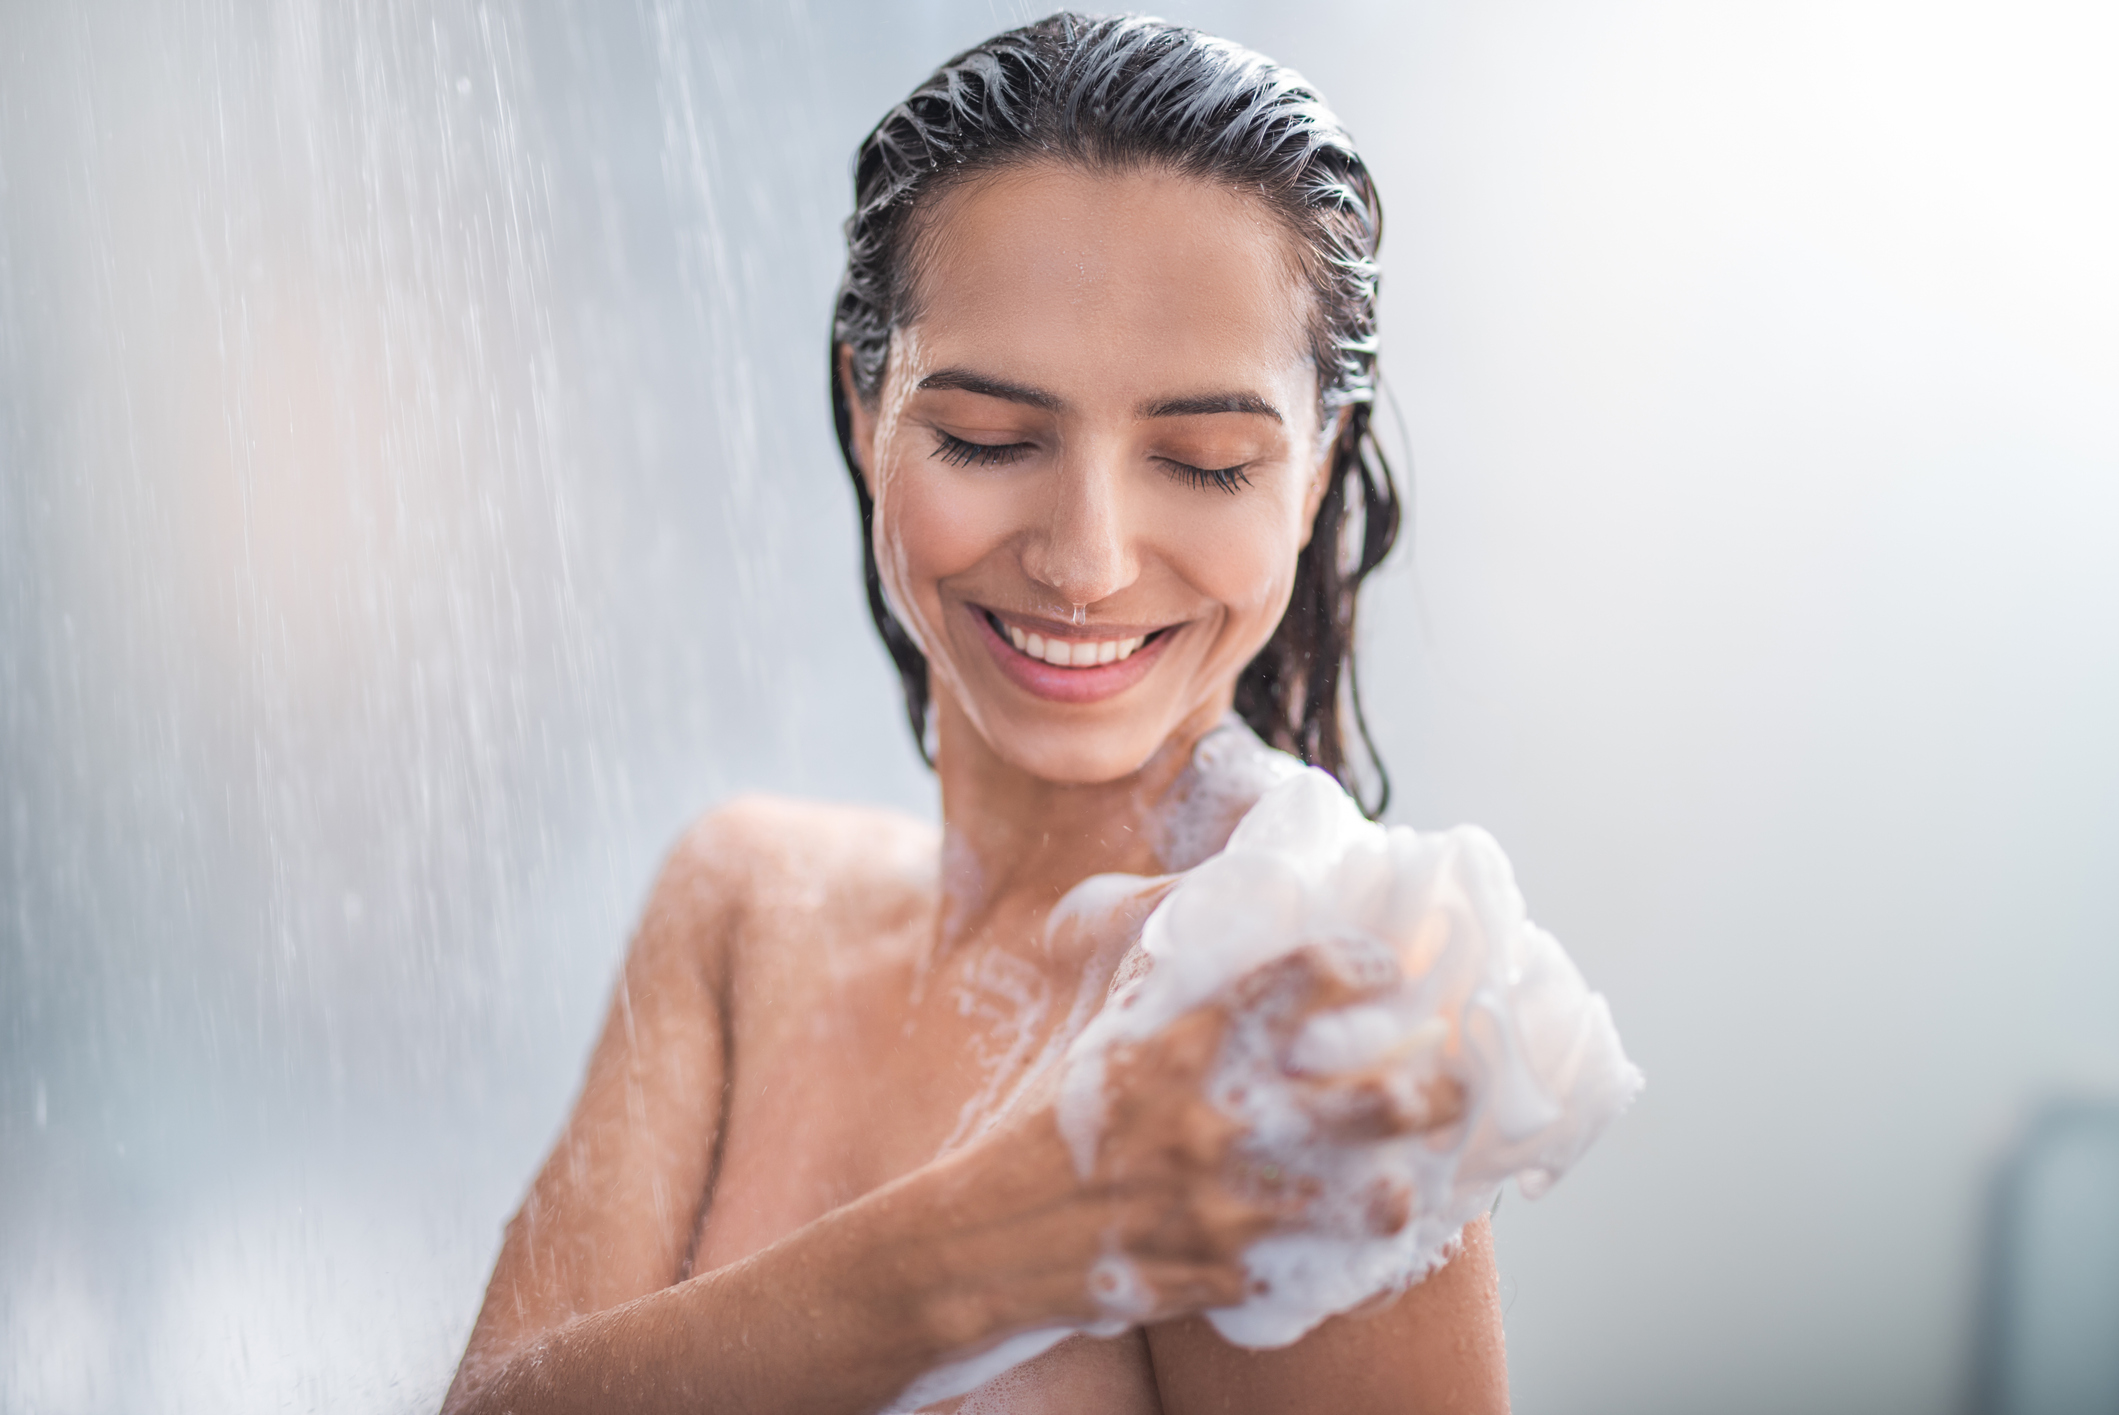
[1117,666]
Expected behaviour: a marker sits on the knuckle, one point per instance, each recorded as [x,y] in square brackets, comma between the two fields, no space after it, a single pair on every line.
[1209,1136]
[1384,1104]
[1445,1101]
[1193,1039]
[1218,1290]
[1389,1207]
[1289,974]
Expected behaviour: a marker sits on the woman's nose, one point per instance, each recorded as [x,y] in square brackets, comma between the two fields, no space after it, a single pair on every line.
[1084,552]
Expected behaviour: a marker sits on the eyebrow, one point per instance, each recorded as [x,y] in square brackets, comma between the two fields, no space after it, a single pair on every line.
[963,380]
[1212,403]
[969,382]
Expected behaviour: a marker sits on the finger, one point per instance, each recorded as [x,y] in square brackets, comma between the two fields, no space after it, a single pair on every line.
[1359,964]
[1214,1224]
[1380,1104]
[1317,977]
[1387,1207]
[1284,1196]
[1188,1046]
[1182,1288]
[1446,1101]
[1204,1136]
[1148,1078]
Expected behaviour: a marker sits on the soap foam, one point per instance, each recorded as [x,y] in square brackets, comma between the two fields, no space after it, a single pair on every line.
[1229,771]
[1455,988]
[1460,989]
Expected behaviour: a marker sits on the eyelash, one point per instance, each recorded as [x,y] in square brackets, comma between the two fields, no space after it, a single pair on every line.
[959,452]
[956,452]
[1220,478]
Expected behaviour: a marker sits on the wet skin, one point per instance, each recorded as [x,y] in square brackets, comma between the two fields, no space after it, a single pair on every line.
[813,1157]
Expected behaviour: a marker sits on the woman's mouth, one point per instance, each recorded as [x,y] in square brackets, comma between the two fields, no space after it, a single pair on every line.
[1076,653]
[1071,669]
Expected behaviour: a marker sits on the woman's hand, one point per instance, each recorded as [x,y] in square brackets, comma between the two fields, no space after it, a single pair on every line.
[1158,1226]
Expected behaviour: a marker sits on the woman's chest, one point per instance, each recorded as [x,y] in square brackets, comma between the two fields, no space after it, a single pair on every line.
[849,1074]
[856,1055]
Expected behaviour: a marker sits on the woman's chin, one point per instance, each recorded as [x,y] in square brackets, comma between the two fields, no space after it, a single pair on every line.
[1077,748]
[1076,754]
[1079,726]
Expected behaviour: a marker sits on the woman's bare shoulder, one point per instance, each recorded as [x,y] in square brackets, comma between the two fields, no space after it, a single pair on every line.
[768,853]
[767,838]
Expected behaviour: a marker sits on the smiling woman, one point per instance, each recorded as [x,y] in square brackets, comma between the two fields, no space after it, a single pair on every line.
[1102,368]
[1296,202]
[1105,428]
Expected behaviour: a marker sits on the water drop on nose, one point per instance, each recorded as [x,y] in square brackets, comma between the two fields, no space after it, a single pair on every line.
[1081,614]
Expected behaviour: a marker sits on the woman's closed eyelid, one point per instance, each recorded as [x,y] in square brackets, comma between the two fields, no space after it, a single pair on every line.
[1228,479]
[955,451]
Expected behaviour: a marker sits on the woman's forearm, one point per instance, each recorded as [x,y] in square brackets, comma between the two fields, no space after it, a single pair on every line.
[829,1319]
[841,1315]
[997,1238]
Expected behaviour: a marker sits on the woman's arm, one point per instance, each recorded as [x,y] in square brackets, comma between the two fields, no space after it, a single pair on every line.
[1437,1348]
[846,1312]
[589,1309]
[839,1316]
[611,1215]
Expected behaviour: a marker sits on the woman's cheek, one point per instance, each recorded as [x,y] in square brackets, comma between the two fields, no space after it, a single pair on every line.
[1245,559]
[933,526]
[902,549]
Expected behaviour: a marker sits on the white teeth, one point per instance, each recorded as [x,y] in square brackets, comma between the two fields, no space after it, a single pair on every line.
[1077,653]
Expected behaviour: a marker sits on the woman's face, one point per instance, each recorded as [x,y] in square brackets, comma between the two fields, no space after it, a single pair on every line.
[1095,458]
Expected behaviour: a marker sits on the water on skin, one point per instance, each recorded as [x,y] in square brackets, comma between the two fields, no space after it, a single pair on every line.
[1230,769]
[1464,988]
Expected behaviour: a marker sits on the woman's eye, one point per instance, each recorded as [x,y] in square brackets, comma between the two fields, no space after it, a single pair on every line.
[1220,478]
[958,452]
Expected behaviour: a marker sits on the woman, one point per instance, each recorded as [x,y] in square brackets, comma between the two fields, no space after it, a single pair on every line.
[1102,366]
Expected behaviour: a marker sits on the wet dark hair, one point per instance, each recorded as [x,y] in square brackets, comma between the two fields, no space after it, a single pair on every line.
[1113,95]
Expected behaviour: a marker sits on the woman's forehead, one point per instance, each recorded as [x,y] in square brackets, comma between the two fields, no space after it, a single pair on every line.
[1142,278]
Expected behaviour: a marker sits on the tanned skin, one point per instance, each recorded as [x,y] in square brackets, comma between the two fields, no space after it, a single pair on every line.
[801,1171]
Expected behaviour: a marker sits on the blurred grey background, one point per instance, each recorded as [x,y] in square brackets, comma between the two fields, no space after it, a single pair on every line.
[417,500]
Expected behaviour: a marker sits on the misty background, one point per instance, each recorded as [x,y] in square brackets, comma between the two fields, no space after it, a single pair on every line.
[418,501]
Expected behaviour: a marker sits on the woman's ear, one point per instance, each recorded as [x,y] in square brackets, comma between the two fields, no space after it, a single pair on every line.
[860,421]
[1321,475]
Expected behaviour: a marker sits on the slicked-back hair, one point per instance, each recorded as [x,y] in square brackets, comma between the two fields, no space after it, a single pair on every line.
[1120,94]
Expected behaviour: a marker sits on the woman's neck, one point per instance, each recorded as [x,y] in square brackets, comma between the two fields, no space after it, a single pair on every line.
[1014,841]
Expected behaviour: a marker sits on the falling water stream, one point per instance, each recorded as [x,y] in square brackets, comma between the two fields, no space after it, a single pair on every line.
[419,410]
